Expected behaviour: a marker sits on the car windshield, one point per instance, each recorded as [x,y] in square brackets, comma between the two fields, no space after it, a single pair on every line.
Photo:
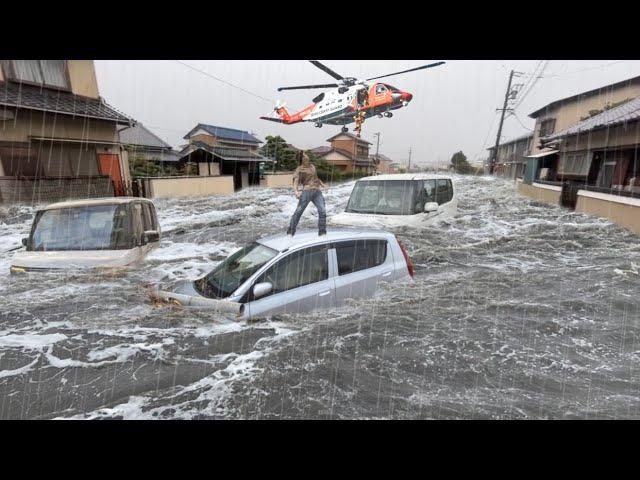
[383,197]
[91,227]
[234,271]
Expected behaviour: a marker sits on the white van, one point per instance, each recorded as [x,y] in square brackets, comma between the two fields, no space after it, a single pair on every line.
[394,200]
[96,233]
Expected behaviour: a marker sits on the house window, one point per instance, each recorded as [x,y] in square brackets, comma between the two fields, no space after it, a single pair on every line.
[547,127]
[49,73]
[575,164]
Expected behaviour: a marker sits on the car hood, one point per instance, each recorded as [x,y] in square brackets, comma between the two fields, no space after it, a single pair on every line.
[74,259]
[372,220]
[183,293]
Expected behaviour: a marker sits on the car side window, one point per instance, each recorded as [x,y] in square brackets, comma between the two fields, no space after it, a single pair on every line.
[298,269]
[137,223]
[147,219]
[357,255]
[444,192]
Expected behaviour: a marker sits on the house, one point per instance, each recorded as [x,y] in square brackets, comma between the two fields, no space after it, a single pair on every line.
[347,153]
[58,137]
[562,114]
[591,163]
[141,143]
[224,151]
[382,163]
[511,160]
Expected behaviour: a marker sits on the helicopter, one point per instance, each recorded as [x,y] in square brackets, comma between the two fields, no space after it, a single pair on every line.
[350,100]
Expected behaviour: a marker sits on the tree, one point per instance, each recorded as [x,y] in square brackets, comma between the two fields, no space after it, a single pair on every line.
[276,148]
[460,164]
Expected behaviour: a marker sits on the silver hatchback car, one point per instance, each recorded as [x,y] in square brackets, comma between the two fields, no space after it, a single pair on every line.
[279,274]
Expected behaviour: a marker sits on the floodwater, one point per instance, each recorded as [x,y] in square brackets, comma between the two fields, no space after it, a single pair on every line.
[518,311]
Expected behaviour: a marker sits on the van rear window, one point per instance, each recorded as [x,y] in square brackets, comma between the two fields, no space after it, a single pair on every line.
[357,255]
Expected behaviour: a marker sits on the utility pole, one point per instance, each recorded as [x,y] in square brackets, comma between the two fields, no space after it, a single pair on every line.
[377,134]
[504,109]
[409,167]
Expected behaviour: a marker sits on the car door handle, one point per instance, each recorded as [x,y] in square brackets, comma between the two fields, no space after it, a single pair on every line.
[324,294]
[386,274]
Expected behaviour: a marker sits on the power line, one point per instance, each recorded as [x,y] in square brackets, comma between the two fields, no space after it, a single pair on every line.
[533,83]
[521,124]
[271,101]
[585,69]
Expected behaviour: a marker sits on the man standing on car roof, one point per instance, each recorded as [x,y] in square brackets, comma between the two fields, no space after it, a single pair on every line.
[305,175]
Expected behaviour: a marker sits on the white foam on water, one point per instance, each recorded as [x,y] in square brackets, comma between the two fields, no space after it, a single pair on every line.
[31,341]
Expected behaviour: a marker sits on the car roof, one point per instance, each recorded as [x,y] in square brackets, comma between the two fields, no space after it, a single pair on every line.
[94,201]
[405,176]
[282,242]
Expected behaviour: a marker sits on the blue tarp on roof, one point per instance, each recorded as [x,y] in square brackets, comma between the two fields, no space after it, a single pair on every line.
[228,133]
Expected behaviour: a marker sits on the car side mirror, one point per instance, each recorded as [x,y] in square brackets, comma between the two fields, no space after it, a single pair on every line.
[430,207]
[261,289]
[25,241]
[151,236]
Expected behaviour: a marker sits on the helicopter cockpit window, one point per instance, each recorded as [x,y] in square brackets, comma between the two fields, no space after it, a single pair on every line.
[319,98]
[380,89]
[392,88]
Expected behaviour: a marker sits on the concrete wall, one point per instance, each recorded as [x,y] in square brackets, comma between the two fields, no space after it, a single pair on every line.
[49,190]
[624,211]
[278,180]
[542,193]
[175,187]
[570,112]
[82,75]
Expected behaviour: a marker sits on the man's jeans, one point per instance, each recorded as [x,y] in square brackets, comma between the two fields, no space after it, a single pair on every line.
[307,196]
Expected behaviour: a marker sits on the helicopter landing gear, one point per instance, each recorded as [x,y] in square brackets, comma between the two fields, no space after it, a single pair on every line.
[345,129]
[388,114]
[318,125]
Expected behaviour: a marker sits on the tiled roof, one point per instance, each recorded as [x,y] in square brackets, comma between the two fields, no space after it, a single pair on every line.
[587,94]
[626,112]
[156,155]
[224,153]
[56,101]
[380,156]
[320,150]
[223,132]
[139,135]
[350,135]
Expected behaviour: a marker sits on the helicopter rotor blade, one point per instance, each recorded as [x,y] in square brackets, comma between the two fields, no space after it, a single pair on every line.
[300,87]
[326,69]
[431,65]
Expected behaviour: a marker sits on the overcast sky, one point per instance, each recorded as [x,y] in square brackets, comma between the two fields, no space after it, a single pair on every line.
[453,105]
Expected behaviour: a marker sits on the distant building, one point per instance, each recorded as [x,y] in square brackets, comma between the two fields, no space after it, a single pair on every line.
[382,163]
[140,142]
[511,157]
[347,153]
[224,151]
[58,137]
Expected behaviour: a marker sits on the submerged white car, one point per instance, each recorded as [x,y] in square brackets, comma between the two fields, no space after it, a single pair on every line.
[278,274]
[395,200]
[96,233]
